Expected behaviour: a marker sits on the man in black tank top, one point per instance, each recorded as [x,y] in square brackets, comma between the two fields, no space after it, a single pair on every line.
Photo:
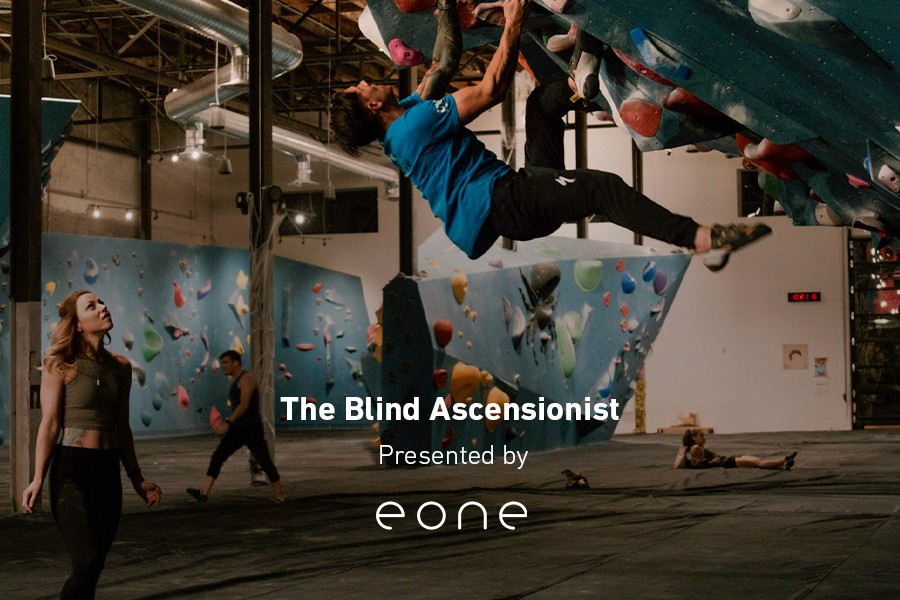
[242,428]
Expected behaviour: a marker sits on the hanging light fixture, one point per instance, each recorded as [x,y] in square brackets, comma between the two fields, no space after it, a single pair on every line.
[193,143]
[304,172]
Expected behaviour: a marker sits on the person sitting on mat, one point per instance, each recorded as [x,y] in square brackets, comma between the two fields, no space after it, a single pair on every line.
[693,455]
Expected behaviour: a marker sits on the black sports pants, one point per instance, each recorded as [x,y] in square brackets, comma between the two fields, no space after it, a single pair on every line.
[250,435]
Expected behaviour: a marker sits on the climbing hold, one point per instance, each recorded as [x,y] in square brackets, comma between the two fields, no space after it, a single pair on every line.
[448,438]
[607,299]
[443,332]
[857,182]
[773,10]
[588,274]
[50,287]
[128,340]
[439,378]
[183,399]
[628,283]
[642,69]
[204,290]
[178,296]
[91,271]
[566,348]
[500,398]
[241,280]
[649,271]
[624,310]
[173,326]
[660,282]
[641,115]
[544,278]
[654,58]
[889,178]
[146,418]
[413,6]
[464,380]
[519,326]
[574,325]
[404,56]
[153,343]
[238,306]
[317,287]
[460,285]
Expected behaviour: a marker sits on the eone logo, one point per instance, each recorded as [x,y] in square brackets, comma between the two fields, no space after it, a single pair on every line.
[501,516]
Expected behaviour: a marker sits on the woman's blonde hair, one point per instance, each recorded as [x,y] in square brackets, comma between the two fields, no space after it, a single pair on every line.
[66,344]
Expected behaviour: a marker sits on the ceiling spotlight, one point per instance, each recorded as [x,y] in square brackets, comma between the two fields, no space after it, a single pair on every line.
[216,117]
[299,218]
[129,215]
[95,213]
[174,158]
[224,165]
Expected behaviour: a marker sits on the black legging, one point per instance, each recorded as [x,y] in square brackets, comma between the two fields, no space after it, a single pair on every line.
[86,501]
[251,436]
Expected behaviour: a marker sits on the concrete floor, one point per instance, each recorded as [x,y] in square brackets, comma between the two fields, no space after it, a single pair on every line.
[827,529]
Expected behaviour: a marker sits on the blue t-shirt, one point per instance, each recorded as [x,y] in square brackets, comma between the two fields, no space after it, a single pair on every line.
[447,163]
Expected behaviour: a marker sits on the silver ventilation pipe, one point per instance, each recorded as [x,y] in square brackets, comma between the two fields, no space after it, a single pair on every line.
[229,24]
[238,126]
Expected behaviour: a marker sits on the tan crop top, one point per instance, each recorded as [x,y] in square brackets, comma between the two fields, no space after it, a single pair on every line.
[93,398]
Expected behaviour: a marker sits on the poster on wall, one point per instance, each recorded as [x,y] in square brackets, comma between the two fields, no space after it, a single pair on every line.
[795,356]
[820,375]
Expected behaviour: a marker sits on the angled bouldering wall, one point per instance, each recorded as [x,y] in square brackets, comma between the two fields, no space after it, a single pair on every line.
[559,321]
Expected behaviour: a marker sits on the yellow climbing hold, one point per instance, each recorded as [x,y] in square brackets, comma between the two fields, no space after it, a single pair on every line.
[500,398]
[460,284]
[464,380]
[241,280]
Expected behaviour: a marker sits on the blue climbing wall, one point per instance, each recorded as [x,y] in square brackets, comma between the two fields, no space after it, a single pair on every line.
[321,323]
[56,123]
[805,90]
[176,308]
[559,318]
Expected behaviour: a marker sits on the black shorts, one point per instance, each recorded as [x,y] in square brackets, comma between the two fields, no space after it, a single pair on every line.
[729,463]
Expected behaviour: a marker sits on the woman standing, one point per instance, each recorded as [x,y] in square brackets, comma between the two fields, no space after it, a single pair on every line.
[84,396]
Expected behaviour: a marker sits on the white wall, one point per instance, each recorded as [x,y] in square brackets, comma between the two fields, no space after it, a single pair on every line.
[720,351]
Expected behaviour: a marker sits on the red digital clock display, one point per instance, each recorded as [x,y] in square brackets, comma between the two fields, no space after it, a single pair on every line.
[804,296]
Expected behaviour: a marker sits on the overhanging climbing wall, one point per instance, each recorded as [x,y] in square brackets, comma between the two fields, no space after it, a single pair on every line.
[804,90]
[56,123]
[560,319]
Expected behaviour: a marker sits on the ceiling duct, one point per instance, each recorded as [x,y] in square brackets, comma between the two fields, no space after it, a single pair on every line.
[229,24]
[238,126]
